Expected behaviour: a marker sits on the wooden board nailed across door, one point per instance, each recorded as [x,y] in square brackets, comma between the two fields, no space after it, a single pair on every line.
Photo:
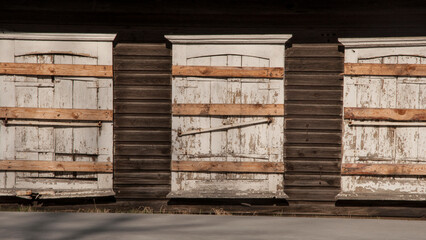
[384,138]
[80,131]
[228,116]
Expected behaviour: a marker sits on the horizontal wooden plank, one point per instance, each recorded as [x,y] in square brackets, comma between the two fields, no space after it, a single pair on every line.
[313,80]
[319,180]
[137,164]
[140,78]
[142,49]
[314,64]
[312,137]
[217,166]
[313,109]
[56,114]
[376,69]
[142,191]
[394,114]
[312,152]
[247,72]
[384,169]
[135,149]
[142,121]
[136,178]
[312,166]
[53,166]
[310,194]
[228,109]
[142,63]
[137,135]
[38,69]
[315,95]
[304,50]
[142,107]
[313,124]
[143,93]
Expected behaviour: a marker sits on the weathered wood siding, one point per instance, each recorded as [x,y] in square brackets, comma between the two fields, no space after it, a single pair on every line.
[313,105]
[39,136]
[142,121]
[393,143]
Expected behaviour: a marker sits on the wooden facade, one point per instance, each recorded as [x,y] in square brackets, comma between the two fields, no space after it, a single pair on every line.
[313,106]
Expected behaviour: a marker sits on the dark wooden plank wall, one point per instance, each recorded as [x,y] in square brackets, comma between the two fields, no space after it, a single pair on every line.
[313,107]
[142,121]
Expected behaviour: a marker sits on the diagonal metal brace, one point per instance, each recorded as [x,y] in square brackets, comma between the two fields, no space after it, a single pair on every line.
[225,127]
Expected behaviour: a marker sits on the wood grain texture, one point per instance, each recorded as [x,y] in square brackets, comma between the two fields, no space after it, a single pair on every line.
[49,166]
[37,69]
[228,109]
[220,166]
[55,114]
[216,71]
[384,169]
[385,114]
[375,69]
[313,122]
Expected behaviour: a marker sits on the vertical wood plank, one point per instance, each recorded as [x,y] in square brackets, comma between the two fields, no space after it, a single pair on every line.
[7,99]
[46,142]
[387,96]
[26,138]
[218,89]
[85,96]
[407,97]
[234,95]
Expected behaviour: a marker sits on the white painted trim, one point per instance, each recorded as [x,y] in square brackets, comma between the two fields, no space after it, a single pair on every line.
[383,42]
[386,123]
[239,39]
[58,36]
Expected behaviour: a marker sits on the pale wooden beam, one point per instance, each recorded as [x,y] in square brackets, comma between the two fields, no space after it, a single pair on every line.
[386,123]
[53,166]
[228,72]
[384,169]
[385,114]
[55,114]
[53,123]
[38,69]
[375,69]
[217,166]
[228,109]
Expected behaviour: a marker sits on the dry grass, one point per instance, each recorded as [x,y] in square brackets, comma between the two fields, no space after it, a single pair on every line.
[220,211]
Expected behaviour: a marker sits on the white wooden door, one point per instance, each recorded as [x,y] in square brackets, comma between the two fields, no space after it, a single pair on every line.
[260,142]
[41,140]
[392,145]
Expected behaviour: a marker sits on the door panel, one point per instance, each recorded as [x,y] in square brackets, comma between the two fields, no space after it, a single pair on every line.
[34,142]
[258,142]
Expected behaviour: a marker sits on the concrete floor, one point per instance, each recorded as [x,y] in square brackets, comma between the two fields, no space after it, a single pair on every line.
[15,225]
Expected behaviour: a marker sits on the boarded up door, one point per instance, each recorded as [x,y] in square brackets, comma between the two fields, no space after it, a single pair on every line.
[227,128]
[67,153]
[385,113]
